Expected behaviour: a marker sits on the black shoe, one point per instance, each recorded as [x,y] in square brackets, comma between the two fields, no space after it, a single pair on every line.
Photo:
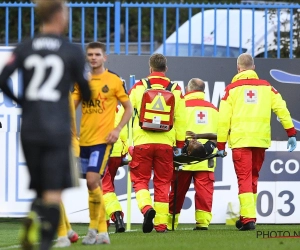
[148,223]
[119,223]
[200,228]
[238,224]
[248,226]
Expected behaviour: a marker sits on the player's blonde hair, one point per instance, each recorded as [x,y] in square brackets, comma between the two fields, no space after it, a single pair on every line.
[46,9]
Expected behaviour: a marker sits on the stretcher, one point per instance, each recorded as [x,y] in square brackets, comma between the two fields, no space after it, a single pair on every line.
[179,163]
[184,159]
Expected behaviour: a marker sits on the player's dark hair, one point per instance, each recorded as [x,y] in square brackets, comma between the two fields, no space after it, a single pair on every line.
[204,150]
[198,152]
[96,45]
[46,9]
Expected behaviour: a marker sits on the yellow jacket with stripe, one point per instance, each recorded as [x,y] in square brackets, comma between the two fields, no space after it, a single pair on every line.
[202,117]
[176,135]
[120,147]
[245,112]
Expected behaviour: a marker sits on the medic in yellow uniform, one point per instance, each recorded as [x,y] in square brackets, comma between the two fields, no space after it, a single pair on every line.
[244,121]
[153,151]
[120,149]
[202,117]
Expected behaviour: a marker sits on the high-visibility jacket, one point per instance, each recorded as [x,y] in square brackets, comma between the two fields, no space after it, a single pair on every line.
[245,112]
[120,146]
[176,135]
[202,117]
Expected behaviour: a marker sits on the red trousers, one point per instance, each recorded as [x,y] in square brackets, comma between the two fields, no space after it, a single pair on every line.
[156,157]
[247,164]
[204,187]
[109,176]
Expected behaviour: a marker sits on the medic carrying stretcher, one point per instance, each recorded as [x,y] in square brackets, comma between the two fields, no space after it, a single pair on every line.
[194,152]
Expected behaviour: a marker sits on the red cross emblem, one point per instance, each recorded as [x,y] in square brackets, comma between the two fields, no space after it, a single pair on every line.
[201,115]
[250,94]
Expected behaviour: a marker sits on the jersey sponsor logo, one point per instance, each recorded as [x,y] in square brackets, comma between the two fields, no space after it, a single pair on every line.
[96,105]
[250,95]
[201,117]
[47,43]
[105,89]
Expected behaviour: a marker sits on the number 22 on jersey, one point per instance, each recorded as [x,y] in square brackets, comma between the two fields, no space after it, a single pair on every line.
[39,87]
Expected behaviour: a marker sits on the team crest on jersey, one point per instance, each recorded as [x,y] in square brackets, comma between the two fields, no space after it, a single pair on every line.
[105,89]
[201,117]
[250,95]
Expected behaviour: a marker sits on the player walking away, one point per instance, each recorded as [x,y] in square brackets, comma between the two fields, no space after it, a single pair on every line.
[120,149]
[98,133]
[244,121]
[50,64]
[153,149]
[202,117]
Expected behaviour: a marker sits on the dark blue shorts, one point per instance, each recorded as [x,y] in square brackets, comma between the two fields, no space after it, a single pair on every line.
[94,158]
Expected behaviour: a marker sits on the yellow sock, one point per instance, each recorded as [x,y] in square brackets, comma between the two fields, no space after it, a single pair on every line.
[61,229]
[94,207]
[67,223]
[102,226]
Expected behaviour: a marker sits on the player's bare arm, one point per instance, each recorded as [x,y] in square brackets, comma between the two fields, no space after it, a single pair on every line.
[114,134]
[208,136]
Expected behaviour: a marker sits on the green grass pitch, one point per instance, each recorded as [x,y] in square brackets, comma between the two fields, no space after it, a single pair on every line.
[219,237]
